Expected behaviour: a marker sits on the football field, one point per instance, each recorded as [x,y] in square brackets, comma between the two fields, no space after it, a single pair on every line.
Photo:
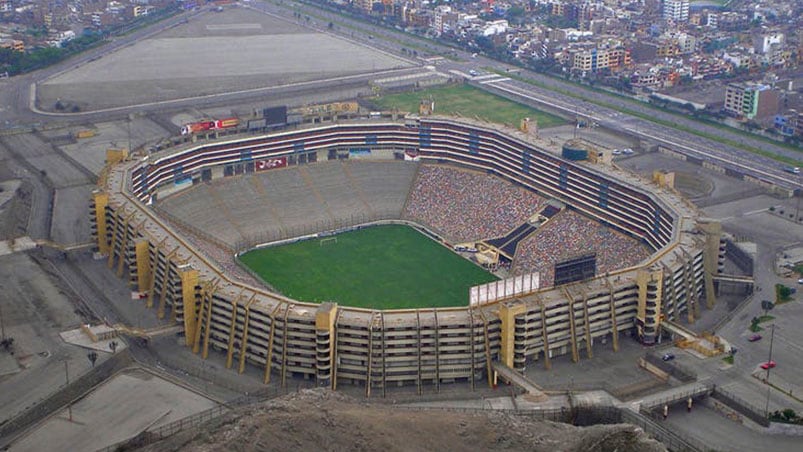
[382,267]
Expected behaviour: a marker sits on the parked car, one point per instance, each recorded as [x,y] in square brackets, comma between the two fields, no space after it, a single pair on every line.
[616,152]
[754,337]
[668,356]
[768,365]
[627,151]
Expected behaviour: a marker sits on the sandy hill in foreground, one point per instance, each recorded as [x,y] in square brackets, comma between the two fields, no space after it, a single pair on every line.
[323,420]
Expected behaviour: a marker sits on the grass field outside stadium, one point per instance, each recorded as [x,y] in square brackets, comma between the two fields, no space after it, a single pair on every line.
[468,101]
[380,267]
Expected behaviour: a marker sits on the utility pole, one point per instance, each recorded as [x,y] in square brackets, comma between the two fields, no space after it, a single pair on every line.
[2,326]
[799,195]
[67,377]
[129,132]
[769,366]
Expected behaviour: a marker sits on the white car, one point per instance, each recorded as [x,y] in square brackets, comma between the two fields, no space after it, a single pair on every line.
[627,151]
[616,152]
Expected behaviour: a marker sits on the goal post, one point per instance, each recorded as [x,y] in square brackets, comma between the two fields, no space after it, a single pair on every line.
[328,241]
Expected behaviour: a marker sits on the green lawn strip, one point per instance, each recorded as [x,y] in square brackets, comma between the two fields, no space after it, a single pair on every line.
[709,2]
[469,102]
[647,117]
[382,267]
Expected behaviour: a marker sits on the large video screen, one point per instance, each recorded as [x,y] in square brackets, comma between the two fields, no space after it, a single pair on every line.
[275,116]
[576,269]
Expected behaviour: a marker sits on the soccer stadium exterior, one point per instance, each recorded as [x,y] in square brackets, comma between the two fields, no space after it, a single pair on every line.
[334,344]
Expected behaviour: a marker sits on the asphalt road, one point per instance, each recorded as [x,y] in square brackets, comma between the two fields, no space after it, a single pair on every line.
[549,94]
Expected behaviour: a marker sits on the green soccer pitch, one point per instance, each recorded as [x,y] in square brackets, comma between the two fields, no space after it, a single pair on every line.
[380,267]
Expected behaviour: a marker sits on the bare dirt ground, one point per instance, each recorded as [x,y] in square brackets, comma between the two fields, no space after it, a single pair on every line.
[319,419]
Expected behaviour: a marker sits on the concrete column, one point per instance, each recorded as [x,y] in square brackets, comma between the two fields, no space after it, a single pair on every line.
[189,293]
[143,264]
[101,200]
[324,343]
[507,314]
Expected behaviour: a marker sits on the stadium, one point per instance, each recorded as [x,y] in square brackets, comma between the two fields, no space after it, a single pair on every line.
[172,222]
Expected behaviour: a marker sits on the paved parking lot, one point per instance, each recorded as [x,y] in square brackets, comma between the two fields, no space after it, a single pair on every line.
[35,309]
[125,405]
[613,371]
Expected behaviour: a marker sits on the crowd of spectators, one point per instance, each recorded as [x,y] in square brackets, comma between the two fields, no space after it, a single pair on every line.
[569,235]
[468,206]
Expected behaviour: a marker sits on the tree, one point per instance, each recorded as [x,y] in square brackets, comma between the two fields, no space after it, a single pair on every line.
[93,356]
[782,292]
[484,43]
[515,14]
[767,306]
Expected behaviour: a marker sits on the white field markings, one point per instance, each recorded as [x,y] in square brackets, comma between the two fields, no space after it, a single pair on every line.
[494,78]
[745,214]
[482,79]
[219,27]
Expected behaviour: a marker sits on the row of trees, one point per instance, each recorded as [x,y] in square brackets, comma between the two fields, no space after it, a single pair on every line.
[14,63]
[20,62]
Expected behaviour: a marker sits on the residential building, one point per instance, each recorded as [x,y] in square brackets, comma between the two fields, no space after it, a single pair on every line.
[751,101]
[595,60]
[789,123]
[13,44]
[711,20]
[766,42]
[365,5]
[676,10]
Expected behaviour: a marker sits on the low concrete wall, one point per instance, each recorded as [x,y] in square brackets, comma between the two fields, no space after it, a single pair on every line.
[777,428]
[663,376]
[672,368]
[753,413]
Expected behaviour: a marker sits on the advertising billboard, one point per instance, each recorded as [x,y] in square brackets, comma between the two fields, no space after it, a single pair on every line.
[272,163]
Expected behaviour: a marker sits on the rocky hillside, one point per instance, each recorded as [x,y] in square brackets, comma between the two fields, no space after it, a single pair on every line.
[324,420]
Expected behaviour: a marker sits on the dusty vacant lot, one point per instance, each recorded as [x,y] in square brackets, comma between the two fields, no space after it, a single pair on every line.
[235,50]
